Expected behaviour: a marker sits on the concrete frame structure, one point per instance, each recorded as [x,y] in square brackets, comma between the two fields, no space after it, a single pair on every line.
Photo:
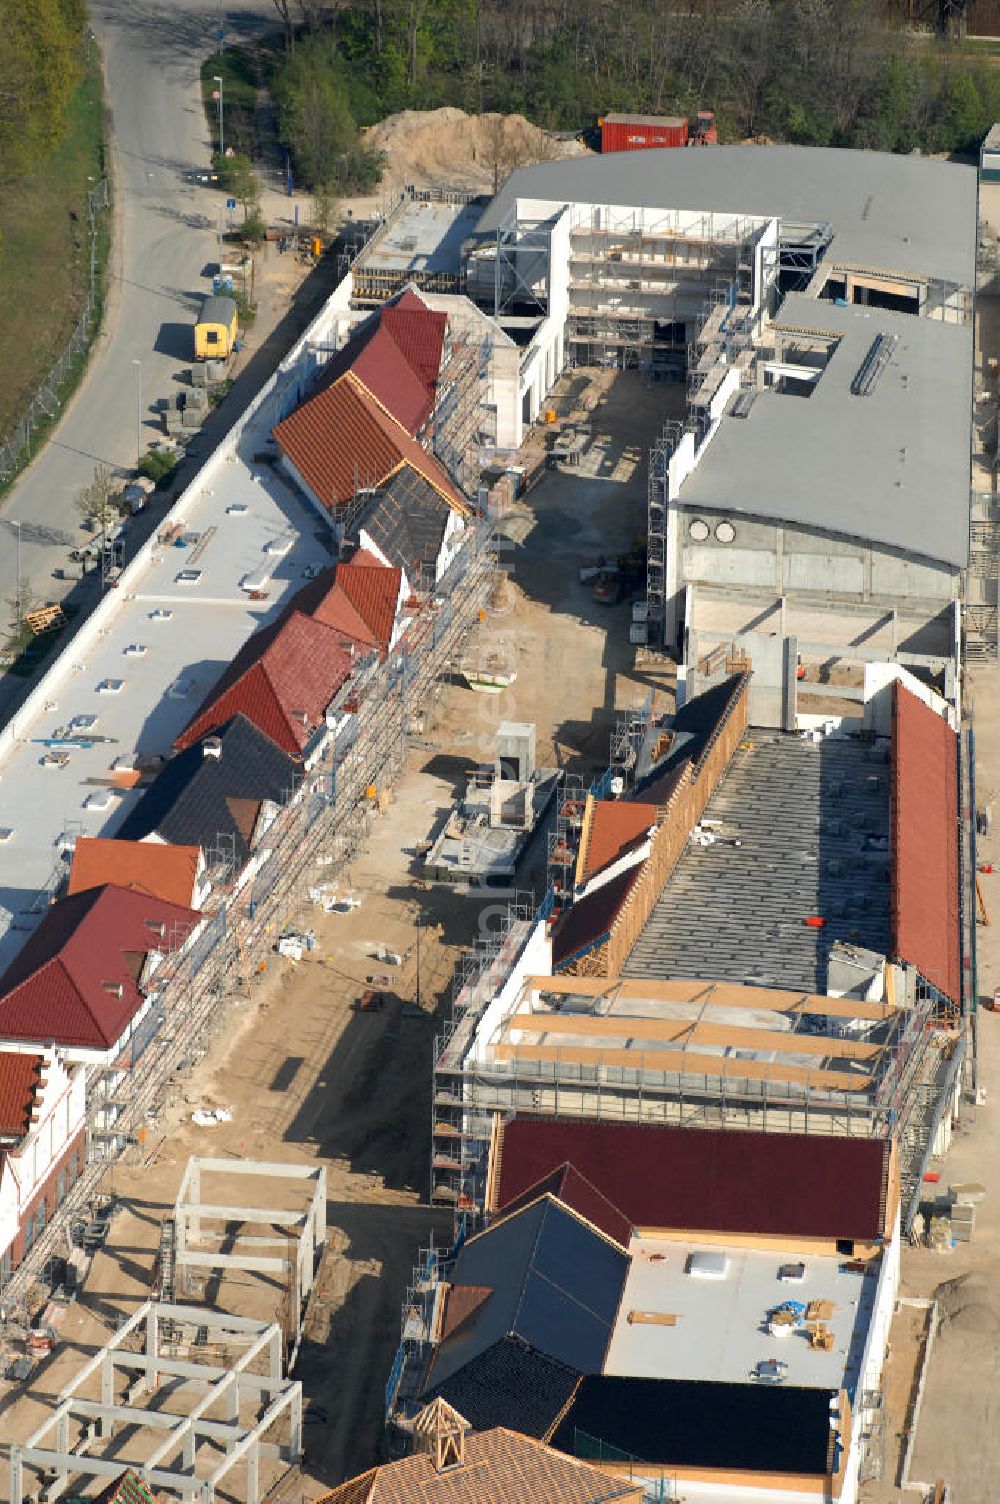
[745,274]
[97,1420]
[306,1224]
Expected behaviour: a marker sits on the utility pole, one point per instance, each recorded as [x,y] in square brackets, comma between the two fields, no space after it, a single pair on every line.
[138,412]
[418,958]
[20,596]
[216,78]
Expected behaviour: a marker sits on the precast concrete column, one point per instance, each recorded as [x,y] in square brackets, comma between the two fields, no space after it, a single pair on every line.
[253,1475]
[107,1395]
[295,1426]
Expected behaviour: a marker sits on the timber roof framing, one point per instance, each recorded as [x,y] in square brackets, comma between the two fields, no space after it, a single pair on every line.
[723,1030]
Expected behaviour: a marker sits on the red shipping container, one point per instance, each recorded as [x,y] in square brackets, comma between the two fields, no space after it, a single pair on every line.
[642,132]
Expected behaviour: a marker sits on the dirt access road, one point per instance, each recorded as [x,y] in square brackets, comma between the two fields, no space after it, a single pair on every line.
[308,1077]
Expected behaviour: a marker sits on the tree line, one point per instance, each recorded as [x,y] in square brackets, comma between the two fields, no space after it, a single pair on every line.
[40,67]
[815,72]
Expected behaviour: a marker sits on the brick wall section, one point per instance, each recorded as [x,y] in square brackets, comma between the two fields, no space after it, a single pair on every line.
[682,812]
[74,1150]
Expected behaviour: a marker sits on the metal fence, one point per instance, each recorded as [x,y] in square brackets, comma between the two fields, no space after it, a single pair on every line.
[47,400]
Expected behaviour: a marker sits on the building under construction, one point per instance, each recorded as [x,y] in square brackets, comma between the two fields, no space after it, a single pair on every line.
[739,946]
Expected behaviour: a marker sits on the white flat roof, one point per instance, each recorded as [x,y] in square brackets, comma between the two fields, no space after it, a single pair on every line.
[720,1333]
[212,618]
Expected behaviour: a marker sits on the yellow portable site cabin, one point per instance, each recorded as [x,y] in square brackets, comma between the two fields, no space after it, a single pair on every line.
[215,331]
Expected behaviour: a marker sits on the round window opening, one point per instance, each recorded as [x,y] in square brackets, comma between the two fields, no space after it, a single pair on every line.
[699,530]
[725,532]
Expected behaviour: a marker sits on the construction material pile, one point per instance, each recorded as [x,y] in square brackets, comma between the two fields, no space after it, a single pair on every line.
[447,148]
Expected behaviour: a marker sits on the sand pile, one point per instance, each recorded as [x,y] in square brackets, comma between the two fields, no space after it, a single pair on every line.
[969,1306]
[447,148]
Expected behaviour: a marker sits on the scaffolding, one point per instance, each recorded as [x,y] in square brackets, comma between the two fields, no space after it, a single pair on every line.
[462,421]
[981,580]
[636,285]
[657,517]
[564,837]
[156,1355]
[324,821]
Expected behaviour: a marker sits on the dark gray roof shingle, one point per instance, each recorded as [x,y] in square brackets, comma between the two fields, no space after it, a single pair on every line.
[195,798]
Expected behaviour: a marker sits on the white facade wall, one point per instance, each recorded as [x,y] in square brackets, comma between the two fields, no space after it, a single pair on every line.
[25,1168]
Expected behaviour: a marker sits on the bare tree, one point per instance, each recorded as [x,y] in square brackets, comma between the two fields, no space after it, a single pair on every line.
[93,502]
[284,9]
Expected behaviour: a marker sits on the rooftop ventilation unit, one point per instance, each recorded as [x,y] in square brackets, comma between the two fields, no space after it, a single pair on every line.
[707,1265]
[883,347]
[742,403]
[212,747]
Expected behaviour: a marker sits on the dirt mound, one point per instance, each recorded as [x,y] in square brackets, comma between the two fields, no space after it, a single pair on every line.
[447,148]
[969,1304]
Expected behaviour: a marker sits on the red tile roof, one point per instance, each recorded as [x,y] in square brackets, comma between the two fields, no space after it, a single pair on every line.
[372,589]
[342,440]
[392,380]
[74,982]
[924,898]
[707,1180]
[419,333]
[151,867]
[614,825]
[282,680]
[396,353]
[20,1078]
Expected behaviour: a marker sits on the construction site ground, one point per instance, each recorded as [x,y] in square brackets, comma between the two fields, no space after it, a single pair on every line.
[305,1074]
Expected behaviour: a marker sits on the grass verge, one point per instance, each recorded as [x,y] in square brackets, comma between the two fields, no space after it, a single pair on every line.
[44,254]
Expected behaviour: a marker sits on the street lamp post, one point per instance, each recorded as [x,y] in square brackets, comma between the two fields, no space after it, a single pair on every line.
[138,412]
[222,145]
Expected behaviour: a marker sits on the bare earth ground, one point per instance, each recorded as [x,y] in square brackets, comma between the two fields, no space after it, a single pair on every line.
[305,1075]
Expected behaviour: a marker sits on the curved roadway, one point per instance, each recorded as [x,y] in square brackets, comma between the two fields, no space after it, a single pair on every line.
[166,233]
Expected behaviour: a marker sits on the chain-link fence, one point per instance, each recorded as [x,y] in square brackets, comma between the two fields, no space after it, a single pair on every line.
[15,452]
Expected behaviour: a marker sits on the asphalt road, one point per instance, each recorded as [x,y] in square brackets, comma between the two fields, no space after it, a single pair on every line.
[166,235]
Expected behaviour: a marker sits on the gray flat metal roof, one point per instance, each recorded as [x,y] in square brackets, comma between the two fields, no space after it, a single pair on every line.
[892,468]
[166,644]
[908,214]
[812,820]
[721,1324]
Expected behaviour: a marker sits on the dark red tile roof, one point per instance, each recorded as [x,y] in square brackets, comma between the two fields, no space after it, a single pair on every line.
[282,679]
[924,898]
[63,985]
[20,1078]
[588,923]
[342,440]
[706,1180]
[614,825]
[575,1190]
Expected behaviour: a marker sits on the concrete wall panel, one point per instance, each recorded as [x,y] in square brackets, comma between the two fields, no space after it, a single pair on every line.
[724,565]
[902,578]
[824,572]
